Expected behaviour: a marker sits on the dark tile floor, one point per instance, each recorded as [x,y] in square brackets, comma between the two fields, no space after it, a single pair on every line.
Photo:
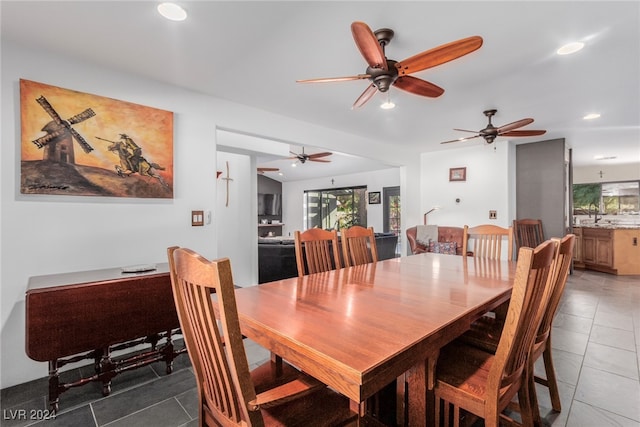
[596,346]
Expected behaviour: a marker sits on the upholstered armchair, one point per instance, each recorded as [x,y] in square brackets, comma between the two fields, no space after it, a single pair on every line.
[445,235]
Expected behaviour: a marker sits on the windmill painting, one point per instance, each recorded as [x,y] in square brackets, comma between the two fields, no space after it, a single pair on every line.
[80,144]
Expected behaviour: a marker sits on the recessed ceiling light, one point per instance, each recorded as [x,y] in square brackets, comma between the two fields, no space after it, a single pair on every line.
[570,48]
[591,116]
[172,11]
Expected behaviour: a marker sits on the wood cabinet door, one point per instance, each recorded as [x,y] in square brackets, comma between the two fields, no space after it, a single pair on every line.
[604,251]
[589,249]
[577,250]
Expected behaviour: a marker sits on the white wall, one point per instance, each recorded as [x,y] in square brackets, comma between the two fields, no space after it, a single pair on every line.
[293,196]
[54,234]
[234,241]
[489,185]
[591,174]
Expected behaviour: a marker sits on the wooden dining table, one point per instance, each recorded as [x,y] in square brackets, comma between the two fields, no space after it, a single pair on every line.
[360,328]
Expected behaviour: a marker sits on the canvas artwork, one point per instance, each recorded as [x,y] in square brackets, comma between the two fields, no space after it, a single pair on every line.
[79,144]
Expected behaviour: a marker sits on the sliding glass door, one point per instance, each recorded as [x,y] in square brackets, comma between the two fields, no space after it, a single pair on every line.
[336,208]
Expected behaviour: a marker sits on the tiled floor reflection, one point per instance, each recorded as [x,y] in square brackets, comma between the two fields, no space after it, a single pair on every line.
[596,348]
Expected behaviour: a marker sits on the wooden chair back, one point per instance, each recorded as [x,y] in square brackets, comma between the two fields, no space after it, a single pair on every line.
[486,332]
[527,232]
[560,275]
[223,371]
[316,251]
[358,245]
[528,298]
[178,299]
[487,241]
[542,343]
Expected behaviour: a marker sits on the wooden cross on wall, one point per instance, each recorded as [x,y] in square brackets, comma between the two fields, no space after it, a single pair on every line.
[227,178]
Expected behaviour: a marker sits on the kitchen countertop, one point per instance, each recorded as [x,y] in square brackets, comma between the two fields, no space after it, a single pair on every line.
[610,226]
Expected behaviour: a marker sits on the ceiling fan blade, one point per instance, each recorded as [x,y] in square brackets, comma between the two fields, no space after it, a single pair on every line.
[465,130]
[335,79]
[461,139]
[316,155]
[439,55]
[514,125]
[268,169]
[418,86]
[319,160]
[524,133]
[365,96]
[368,45]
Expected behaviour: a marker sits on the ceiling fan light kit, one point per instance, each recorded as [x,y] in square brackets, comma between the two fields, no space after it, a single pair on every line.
[384,73]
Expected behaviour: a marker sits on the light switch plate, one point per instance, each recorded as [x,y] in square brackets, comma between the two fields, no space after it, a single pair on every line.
[493,214]
[197,218]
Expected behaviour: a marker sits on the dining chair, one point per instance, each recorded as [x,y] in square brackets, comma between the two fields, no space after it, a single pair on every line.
[316,251]
[485,333]
[482,383]
[487,241]
[229,393]
[527,232]
[358,245]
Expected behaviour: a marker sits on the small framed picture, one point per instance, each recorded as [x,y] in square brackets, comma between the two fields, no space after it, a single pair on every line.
[374,198]
[457,174]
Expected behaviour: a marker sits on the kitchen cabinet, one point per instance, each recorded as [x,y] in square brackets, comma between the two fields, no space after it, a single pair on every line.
[608,249]
[597,248]
[626,251]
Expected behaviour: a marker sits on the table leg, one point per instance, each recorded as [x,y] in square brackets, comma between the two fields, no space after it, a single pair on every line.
[401,400]
[431,383]
[358,407]
[54,382]
[106,371]
[420,399]
[417,395]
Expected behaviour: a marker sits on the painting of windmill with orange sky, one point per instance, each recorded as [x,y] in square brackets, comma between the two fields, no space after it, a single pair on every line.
[79,144]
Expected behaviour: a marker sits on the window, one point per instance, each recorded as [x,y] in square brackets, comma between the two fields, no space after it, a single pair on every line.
[336,208]
[391,209]
[609,198]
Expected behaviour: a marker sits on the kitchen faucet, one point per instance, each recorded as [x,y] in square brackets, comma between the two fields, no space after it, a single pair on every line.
[595,213]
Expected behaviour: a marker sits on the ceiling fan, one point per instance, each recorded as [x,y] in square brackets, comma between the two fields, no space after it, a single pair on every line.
[303,157]
[491,132]
[263,170]
[384,73]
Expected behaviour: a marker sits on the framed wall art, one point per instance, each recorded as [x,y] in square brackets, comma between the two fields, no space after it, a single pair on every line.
[374,197]
[79,144]
[457,174]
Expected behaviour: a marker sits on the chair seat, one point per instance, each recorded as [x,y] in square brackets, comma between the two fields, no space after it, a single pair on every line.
[464,367]
[463,375]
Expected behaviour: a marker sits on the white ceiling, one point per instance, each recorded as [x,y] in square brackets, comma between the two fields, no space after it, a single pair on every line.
[253,52]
